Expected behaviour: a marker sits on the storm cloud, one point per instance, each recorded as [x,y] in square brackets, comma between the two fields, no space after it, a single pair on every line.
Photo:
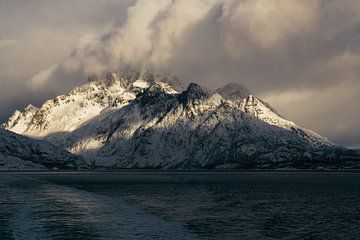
[301,56]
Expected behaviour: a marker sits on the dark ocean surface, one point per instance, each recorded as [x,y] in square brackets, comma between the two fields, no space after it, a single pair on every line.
[180,205]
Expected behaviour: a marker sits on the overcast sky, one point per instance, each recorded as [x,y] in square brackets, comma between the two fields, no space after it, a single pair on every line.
[303,57]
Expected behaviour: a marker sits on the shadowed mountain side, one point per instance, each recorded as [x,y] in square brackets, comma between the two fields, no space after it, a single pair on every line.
[21,153]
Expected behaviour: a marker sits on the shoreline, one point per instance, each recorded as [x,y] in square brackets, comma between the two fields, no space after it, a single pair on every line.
[183,177]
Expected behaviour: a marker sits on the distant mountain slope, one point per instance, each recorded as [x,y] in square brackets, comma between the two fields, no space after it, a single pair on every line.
[140,121]
[21,153]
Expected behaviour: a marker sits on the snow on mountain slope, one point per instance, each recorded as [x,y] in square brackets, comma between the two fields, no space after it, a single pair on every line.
[139,120]
[66,113]
[263,111]
[194,129]
[21,153]
[20,120]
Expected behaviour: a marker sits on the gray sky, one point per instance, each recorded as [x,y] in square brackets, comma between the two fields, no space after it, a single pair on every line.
[303,57]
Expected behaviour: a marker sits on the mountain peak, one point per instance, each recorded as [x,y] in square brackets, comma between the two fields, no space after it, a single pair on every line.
[194,91]
[113,77]
[233,91]
[31,108]
[160,87]
[156,92]
[148,76]
[93,78]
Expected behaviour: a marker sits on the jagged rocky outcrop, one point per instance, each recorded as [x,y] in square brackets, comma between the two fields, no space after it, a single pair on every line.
[21,153]
[140,121]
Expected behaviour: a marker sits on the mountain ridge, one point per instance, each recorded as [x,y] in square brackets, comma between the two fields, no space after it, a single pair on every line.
[139,121]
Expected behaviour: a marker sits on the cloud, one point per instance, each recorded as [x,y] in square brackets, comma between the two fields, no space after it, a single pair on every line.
[41,77]
[147,39]
[8,42]
[170,36]
[267,23]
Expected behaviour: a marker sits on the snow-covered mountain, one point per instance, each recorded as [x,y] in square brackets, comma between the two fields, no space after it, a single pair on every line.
[67,113]
[260,109]
[22,153]
[138,120]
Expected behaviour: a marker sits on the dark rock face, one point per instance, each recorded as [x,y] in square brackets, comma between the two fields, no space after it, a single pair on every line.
[192,93]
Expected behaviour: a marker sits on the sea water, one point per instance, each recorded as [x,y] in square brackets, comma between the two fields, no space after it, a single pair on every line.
[180,205]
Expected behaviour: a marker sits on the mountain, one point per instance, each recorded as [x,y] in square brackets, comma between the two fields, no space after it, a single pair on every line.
[263,111]
[66,113]
[133,120]
[233,91]
[22,153]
